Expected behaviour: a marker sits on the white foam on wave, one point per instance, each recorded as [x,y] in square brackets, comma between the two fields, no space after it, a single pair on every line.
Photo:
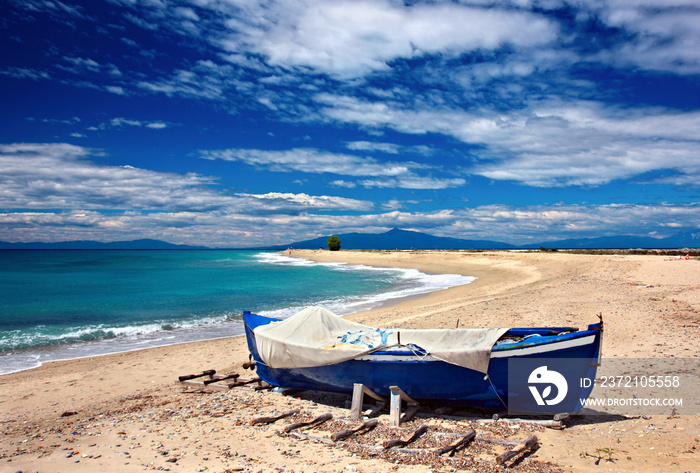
[410,283]
[99,340]
[40,336]
[277,258]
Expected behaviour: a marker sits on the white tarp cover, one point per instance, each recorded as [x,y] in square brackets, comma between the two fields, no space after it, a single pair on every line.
[317,337]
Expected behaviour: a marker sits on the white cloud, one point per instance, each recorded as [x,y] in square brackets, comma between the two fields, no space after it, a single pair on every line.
[531,223]
[589,144]
[82,63]
[414,182]
[188,13]
[393,204]
[120,122]
[548,144]
[389,148]
[115,90]
[664,34]
[268,222]
[521,225]
[79,65]
[351,39]
[24,73]
[495,77]
[206,80]
[53,7]
[277,200]
[384,173]
[311,161]
[68,121]
[520,52]
[59,176]
[342,183]
[124,121]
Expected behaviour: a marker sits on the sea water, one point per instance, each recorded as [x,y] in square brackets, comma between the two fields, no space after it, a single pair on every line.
[69,304]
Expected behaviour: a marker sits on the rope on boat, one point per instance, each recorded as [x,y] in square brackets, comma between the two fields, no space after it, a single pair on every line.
[488,378]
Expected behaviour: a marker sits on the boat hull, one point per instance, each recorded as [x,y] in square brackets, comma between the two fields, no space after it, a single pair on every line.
[427,379]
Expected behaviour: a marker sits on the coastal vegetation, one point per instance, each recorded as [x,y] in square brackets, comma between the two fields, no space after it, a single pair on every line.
[334,243]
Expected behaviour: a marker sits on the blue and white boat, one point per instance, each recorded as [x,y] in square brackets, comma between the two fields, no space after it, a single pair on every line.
[491,368]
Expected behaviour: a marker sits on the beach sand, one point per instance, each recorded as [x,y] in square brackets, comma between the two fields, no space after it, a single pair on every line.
[125,412]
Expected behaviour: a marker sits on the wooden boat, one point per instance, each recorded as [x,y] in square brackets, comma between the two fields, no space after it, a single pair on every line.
[511,378]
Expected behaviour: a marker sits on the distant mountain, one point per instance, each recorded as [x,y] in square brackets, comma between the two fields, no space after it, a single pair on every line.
[391,240]
[144,244]
[398,239]
[405,240]
[690,239]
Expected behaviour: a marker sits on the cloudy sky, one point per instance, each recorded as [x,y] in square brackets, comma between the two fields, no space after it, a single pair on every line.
[249,122]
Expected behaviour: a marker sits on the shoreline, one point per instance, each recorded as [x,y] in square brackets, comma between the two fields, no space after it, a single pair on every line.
[651,308]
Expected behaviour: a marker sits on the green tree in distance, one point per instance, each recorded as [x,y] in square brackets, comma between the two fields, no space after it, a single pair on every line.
[334,243]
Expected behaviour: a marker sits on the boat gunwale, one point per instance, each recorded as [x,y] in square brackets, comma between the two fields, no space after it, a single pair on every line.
[543,340]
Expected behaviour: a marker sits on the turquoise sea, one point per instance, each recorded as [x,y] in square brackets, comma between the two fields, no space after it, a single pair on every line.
[69,304]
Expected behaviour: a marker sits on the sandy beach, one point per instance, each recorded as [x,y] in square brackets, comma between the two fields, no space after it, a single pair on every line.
[125,412]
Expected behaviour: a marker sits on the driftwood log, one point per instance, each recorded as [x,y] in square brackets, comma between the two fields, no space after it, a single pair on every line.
[530,442]
[402,442]
[462,440]
[271,419]
[315,422]
[243,382]
[221,378]
[343,434]
[216,382]
[193,376]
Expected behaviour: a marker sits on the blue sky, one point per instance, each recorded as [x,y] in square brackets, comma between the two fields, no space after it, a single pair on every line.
[244,122]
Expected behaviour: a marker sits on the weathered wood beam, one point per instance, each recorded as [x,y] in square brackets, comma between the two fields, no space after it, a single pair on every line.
[193,376]
[402,442]
[343,434]
[312,423]
[530,442]
[464,439]
[271,419]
